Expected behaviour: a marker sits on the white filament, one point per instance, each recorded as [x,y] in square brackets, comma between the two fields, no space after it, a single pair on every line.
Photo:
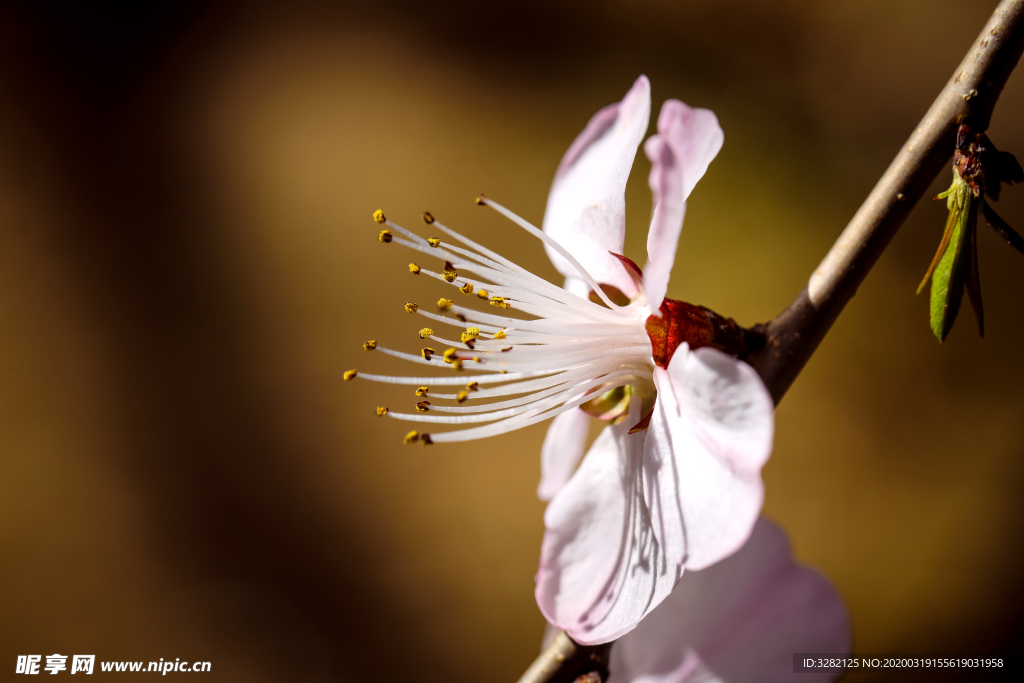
[569,351]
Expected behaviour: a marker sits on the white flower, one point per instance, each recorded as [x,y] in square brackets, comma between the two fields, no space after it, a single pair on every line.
[674,482]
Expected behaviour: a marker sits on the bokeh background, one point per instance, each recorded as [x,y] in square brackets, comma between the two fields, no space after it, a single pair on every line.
[188,265]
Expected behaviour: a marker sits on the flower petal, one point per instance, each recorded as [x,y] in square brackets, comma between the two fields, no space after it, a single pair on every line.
[710,435]
[741,620]
[562,450]
[586,210]
[601,570]
[687,140]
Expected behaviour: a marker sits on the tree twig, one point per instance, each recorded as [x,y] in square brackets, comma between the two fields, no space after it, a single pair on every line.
[969,96]
[564,660]
[793,335]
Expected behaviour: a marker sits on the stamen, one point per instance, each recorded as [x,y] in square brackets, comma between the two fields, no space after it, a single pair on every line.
[385,236]
[565,351]
[536,232]
[349,375]
[378,216]
[411,437]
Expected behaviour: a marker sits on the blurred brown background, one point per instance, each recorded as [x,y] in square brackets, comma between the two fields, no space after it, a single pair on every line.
[188,266]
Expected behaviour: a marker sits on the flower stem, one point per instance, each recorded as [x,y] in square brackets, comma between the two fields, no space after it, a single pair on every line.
[969,96]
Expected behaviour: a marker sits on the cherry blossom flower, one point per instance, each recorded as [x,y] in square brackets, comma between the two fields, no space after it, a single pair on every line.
[673,482]
[738,621]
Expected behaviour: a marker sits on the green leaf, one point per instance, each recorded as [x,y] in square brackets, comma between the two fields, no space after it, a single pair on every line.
[948,278]
[1003,228]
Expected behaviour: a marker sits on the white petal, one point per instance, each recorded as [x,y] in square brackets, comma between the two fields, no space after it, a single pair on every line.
[562,450]
[687,141]
[710,435]
[741,620]
[586,211]
[601,570]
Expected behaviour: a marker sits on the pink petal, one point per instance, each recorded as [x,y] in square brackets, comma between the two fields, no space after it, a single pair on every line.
[562,450]
[741,620]
[687,140]
[600,570]
[710,434]
[586,210]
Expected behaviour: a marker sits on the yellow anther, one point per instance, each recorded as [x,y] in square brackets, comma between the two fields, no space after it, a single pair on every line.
[426,332]
[483,294]
[470,334]
[463,395]
[385,236]
[466,288]
[480,199]
[449,355]
[370,345]
[473,386]
[414,269]
[427,441]
[411,437]
[381,411]
[427,218]
[500,334]
[457,364]
[444,304]
[423,406]
[427,353]
[411,307]
[503,372]
[500,302]
[476,359]
[378,216]
[349,375]
[422,391]
[434,241]
[449,273]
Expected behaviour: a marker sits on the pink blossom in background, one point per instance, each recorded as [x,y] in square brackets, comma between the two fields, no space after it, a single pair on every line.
[738,621]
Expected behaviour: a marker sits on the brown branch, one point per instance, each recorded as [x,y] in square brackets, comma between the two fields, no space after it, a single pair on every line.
[969,96]
[564,660]
[793,335]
